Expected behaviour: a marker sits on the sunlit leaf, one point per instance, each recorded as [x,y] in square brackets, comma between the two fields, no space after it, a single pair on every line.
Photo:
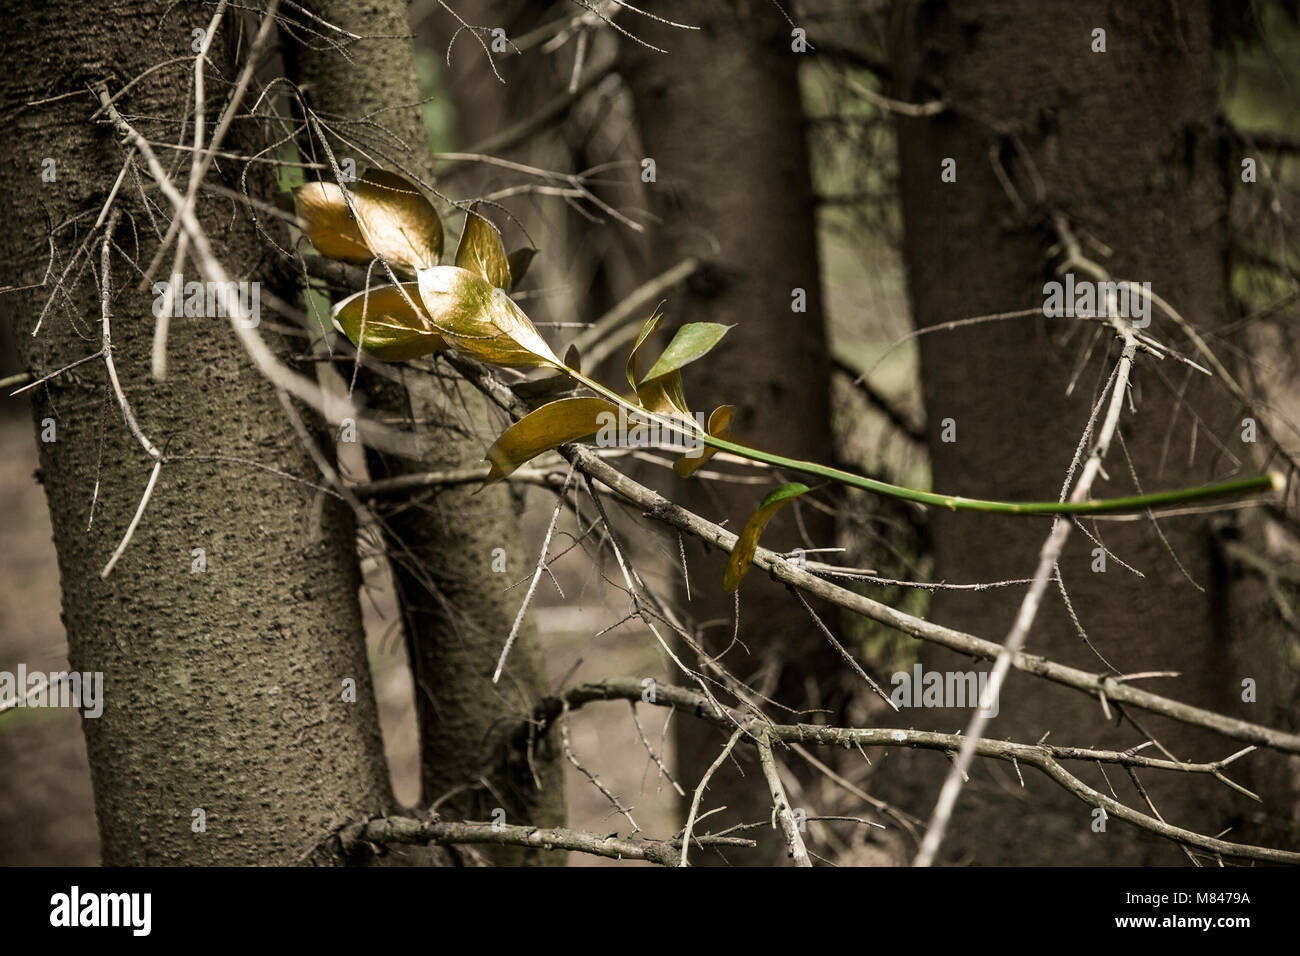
[552,425]
[393,331]
[399,224]
[393,221]
[719,422]
[481,252]
[519,261]
[480,321]
[742,555]
[323,214]
[693,340]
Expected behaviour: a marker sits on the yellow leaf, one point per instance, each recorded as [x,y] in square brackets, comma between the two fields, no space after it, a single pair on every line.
[393,221]
[480,251]
[323,214]
[664,395]
[393,331]
[482,322]
[719,422]
[742,555]
[552,425]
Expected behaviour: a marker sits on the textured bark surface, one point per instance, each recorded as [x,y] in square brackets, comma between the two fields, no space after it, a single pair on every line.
[456,609]
[1126,145]
[720,114]
[223,689]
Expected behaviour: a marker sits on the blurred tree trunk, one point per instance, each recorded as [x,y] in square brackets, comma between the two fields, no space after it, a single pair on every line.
[455,607]
[223,690]
[1127,147]
[721,117]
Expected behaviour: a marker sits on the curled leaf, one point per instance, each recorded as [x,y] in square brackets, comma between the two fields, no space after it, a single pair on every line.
[693,340]
[719,422]
[647,330]
[482,322]
[663,393]
[552,425]
[742,555]
[393,221]
[481,252]
[383,322]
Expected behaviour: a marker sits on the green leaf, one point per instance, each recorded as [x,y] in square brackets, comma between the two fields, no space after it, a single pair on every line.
[693,340]
[482,322]
[552,425]
[393,331]
[480,250]
[519,261]
[742,555]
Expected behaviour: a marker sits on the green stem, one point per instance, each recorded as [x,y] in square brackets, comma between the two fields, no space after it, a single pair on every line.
[1130,504]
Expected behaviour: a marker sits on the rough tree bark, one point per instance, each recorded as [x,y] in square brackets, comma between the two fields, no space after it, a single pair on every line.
[223,689]
[720,114]
[456,609]
[1127,147]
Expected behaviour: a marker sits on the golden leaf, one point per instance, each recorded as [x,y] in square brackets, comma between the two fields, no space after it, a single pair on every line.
[480,251]
[482,322]
[323,214]
[719,422]
[393,222]
[393,331]
[552,425]
[742,555]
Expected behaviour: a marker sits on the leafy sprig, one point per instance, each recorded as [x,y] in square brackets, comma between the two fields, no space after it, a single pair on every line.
[467,307]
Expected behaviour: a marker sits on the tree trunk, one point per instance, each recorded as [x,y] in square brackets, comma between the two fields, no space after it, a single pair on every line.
[721,117]
[455,607]
[223,690]
[1126,146]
